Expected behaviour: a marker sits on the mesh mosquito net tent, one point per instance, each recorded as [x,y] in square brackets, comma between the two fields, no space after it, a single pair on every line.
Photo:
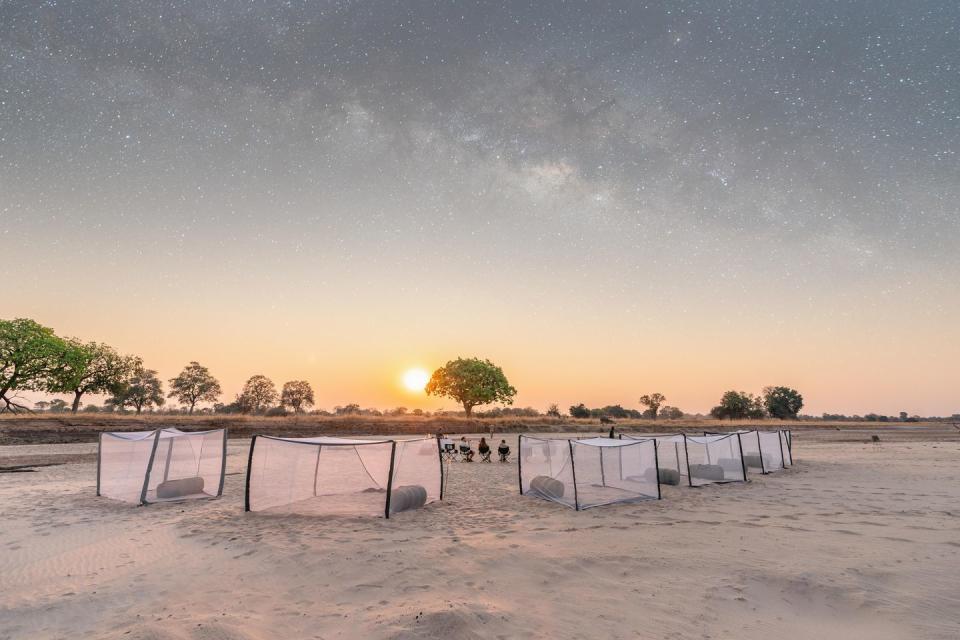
[671,457]
[341,476]
[714,459]
[161,466]
[762,450]
[589,472]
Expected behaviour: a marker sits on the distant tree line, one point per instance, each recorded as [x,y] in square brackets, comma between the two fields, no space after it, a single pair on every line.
[654,403]
[875,417]
[34,358]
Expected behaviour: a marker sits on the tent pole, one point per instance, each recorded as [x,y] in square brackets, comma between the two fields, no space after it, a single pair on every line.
[99,457]
[573,470]
[656,465]
[146,478]
[763,467]
[223,464]
[166,469]
[783,461]
[393,451]
[743,464]
[520,461]
[440,456]
[686,454]
[316,470]
[603,476]
[246,496]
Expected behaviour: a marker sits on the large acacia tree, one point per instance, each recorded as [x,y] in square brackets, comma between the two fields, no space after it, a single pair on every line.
[91,368]
[142,390]
[471,382]
[297,394]
[652,402]
[194,384]
[258,394]
[782,402]
[31,356]
[738,405]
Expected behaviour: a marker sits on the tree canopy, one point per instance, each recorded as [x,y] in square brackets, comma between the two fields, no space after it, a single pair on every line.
[737,405]
[782,402]
[194,384]
[652,402]
[258,394]
[31,355]
[298,394]
[579,411]
[142,390]
[471,382]
[93,367]
[670,413]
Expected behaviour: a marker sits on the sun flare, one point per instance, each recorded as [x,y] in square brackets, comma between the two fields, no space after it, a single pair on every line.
[415,379]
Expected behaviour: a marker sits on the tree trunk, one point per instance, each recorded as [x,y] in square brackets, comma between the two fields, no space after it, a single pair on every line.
[76,400]
[468,409]
[190,413]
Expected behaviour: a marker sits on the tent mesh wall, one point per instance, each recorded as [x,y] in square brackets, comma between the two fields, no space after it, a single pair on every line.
[590,472]
[417,463]
[547,458]
[753,456]
[161,466]
[609,471]
[671,454]
[195,460]
[714,458]
[337,476]
[122,464]
[786,445]
[773,455]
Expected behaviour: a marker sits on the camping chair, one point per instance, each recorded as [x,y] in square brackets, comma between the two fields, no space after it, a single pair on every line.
[466,453]
[449,450]
[504,454]
[485,455]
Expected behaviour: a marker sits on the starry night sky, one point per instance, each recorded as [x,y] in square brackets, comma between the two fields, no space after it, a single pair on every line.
[609,199]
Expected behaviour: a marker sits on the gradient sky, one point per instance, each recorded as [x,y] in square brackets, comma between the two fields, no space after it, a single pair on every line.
[607,199]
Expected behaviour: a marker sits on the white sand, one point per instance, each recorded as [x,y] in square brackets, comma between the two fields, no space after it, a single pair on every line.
[857,541]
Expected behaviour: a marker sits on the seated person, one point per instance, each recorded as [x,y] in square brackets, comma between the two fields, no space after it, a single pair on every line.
[484,449]
[503,450]
[465,450]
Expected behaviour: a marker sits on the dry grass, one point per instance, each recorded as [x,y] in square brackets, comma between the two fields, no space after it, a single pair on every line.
[65,428]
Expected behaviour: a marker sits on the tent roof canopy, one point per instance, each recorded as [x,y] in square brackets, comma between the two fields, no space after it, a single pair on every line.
[166,432]
[610,442]
[351,442]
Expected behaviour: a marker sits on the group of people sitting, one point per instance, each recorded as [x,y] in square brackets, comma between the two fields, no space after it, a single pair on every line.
[466,451]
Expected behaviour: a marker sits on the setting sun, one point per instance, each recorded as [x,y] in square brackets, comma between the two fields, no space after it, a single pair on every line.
[415,379]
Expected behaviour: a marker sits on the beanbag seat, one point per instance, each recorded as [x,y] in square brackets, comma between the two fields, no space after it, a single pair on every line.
[666,476]
[706,471]
[407,497]
[179,488]
[547,486]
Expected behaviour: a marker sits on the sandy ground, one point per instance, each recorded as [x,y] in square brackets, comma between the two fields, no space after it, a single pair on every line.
[856,541]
